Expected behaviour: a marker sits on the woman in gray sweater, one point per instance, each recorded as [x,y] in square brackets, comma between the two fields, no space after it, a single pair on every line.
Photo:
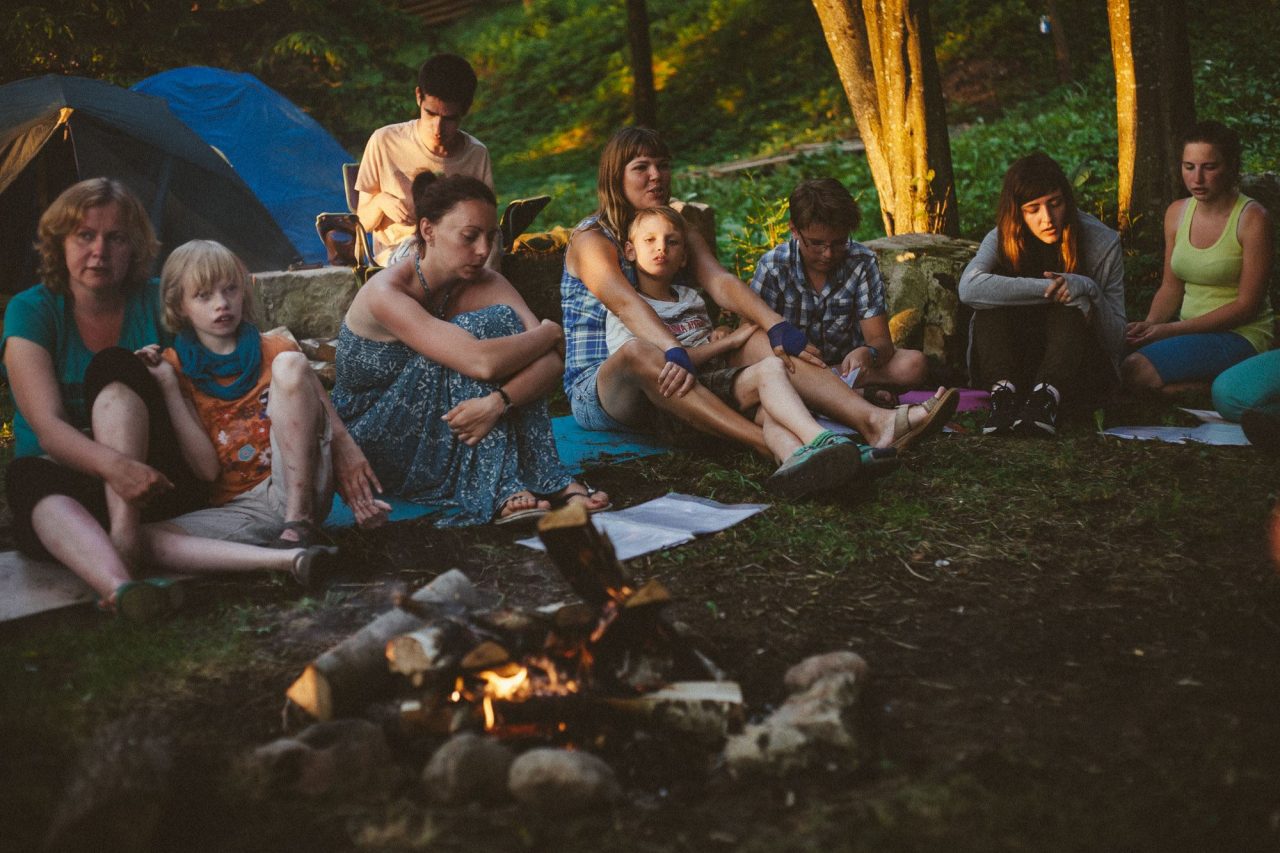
[1047,289]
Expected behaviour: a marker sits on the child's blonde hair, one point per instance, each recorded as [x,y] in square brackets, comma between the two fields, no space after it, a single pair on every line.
[200,264]
[666,212]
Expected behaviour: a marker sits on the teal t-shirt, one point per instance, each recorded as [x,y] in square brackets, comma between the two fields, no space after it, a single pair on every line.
[41,316]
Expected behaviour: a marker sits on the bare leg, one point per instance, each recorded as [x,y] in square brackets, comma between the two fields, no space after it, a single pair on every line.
[908,368]
[782,441]
[766,384]
[825,392]
[166,548]
[120,421]
[630,377]
[297,421]
[77,540]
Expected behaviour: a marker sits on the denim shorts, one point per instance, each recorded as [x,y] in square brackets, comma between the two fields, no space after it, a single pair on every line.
[584,401]
[1196,358]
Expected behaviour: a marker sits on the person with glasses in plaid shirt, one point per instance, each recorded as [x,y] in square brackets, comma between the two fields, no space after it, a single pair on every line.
[827,284]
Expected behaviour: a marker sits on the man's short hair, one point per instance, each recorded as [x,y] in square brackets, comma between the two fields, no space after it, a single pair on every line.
[824,201]
[450,78]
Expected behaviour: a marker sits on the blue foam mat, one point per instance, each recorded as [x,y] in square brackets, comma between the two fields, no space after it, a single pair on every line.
[579,449]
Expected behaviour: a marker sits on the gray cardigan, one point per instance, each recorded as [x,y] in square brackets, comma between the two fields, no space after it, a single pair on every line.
[1097,286]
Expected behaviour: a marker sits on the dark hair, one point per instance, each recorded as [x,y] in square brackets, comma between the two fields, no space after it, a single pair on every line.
[624,146]
[1221,137]
[1031,177]
[824,201]
[435,195]
[450,78]
[68,211]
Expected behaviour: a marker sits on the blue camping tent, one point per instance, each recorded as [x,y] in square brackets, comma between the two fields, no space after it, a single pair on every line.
[290,162]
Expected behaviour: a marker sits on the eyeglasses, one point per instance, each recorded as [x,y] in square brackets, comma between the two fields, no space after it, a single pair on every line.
[835,247]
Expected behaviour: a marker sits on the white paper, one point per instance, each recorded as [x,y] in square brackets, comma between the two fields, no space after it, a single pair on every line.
[1205,416]
[1216,434]
[663,522]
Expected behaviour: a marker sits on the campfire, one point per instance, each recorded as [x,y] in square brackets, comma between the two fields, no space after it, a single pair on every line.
[571,672]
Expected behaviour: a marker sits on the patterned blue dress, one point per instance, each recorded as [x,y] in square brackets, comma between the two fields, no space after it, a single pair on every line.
[392,399]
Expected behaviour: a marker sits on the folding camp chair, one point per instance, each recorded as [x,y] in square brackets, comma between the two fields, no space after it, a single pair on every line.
[519,215]
[344,238]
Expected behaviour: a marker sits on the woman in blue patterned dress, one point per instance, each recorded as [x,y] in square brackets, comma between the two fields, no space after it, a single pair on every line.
[443,371]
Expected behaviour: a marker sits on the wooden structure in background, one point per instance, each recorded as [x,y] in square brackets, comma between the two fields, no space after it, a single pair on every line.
[436,13]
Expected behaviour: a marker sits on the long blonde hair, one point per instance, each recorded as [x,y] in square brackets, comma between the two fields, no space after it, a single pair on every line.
[615,212]
[68,211]
[1031,177]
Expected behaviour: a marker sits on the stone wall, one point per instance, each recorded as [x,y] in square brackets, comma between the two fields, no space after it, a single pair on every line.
[311,303]
[922,273]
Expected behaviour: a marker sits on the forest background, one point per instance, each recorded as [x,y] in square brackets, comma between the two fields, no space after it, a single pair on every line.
[735,79]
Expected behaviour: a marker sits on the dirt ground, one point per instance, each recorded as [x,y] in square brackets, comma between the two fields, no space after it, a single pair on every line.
[1078,654]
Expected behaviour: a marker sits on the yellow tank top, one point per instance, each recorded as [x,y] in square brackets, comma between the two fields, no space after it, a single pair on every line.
[1212,275]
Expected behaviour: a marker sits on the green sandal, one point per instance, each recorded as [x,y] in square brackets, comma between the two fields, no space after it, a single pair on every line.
[828,461]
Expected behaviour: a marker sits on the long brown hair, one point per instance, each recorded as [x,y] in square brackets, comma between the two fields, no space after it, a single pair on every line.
[1031,177]
[67,212]
[624,146]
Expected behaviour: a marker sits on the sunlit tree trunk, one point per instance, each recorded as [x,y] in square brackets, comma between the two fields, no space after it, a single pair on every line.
[1155,105]
[883,53]
[644,98]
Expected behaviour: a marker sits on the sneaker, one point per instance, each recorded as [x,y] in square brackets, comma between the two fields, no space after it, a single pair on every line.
[821,465]
[1004,412]
[1040,414]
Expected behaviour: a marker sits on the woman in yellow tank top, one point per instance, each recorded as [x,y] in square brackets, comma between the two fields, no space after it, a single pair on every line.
[1211,310]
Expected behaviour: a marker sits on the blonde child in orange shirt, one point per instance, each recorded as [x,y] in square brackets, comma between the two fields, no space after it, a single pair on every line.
[264,420]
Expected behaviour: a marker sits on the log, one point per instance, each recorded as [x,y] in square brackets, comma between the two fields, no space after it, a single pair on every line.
[584,555]
[430,650]
[355,670]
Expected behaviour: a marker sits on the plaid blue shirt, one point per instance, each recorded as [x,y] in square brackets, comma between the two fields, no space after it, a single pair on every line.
[852,293]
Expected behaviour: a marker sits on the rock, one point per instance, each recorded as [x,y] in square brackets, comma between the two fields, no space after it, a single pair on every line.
[337,758]
[310,302]
[803,675]
[766,749]
[562,782]
[469,767]
[922,271]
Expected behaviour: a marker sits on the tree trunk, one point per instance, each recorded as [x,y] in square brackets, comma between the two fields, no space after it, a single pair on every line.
[644,98]
[1060,51]
[884,56]
[1155,105]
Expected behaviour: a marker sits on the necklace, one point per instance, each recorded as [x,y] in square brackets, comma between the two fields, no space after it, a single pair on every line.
[439,312]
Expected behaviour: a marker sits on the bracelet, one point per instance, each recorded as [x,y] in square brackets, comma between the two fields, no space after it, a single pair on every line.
[506,401]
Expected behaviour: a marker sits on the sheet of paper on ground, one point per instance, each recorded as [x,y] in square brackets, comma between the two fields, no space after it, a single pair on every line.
[672,519]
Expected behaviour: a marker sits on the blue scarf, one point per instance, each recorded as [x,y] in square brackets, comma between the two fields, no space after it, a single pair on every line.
[202,366]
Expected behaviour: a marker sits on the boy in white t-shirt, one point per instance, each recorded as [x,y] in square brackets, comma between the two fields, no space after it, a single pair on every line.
[813,459]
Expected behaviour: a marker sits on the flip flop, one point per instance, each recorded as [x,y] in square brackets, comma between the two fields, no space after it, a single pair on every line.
[938,410]
[588,494]
[520,516]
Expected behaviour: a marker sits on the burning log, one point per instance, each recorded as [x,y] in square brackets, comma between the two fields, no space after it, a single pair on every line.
[355,670]
[584,555]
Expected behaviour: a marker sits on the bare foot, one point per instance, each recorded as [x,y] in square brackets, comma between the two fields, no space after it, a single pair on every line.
[520,502]
[917,413]
[593,500]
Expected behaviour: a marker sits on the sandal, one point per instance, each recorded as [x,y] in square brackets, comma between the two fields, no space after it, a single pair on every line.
[879,462]
[938,410]
[308,534]
[566,497]
[144,600]
[313,565]
[828,461]
[519,516]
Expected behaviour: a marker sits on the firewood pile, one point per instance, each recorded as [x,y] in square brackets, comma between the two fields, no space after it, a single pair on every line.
[509,689]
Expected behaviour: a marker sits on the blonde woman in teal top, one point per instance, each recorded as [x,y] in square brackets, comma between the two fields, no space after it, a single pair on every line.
[1211,309]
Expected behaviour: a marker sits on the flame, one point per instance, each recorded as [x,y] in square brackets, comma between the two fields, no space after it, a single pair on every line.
[502,686]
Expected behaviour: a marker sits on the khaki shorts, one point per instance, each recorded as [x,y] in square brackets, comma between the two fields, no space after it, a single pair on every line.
[256,516]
